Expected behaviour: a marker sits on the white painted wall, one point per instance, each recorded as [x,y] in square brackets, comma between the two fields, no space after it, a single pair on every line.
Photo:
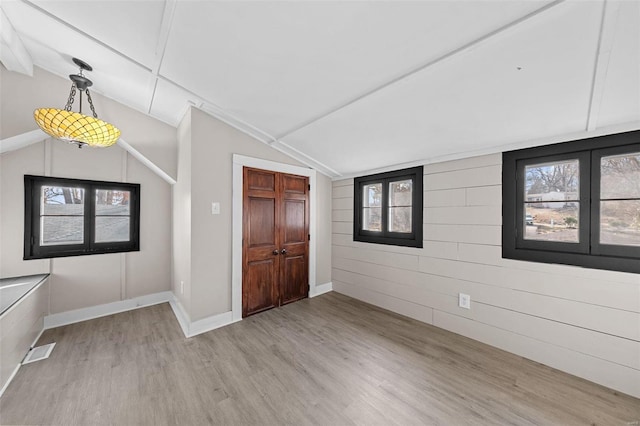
[582,321]
[85,281]
[208,145]
[323,226]
[13,166]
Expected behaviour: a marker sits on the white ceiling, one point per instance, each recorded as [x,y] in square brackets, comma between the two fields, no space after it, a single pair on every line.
[354,86]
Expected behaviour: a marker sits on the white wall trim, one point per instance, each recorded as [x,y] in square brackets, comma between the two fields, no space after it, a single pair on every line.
[321,289]
[33,344]
[35,288]
[84,314]
[181,315]
[6,384]
[240,161]
[191,329]
[211,323]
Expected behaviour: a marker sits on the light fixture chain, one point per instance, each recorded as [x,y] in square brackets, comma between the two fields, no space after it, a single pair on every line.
[72,95]
[93,110]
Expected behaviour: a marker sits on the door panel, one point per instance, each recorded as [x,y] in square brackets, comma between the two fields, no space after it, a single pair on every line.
[261,277]
[261,180]
[295,283]
[275,243]
[262,223]
[295,184]
[294,220]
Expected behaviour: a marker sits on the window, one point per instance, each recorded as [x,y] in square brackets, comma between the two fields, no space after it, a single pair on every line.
[387,208]
[576,203]
[70,217]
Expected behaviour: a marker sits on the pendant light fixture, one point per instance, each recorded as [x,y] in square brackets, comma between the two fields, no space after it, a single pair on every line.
[75,127]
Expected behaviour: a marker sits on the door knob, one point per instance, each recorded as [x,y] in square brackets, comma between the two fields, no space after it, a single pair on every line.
[283,251]
[275,252]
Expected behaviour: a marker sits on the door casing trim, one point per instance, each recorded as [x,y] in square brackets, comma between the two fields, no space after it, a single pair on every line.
[239,162]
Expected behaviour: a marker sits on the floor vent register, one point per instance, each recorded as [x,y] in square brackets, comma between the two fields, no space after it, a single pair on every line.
[38,353]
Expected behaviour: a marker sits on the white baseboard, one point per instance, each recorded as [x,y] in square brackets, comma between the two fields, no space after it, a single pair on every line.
[181,315]
[84,314]
[6,384]
[15,371]
[322,289]
[33,345]
[191,329]
[211,323]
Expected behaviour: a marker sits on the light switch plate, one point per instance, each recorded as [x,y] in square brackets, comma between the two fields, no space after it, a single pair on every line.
[215,208]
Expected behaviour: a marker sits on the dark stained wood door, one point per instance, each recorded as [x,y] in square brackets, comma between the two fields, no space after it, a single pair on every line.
[275,243]
[260,245]
[294,238]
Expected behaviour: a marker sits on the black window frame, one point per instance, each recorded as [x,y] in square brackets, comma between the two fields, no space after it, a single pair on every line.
[413,239]
[32,193]
[588,252]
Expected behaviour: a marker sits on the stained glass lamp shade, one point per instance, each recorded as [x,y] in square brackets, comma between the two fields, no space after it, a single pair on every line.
[75,127]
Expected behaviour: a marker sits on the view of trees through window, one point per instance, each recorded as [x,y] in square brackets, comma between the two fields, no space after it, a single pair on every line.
[372,207]
[399,206]
[620,199]
[552,201]
[400,198]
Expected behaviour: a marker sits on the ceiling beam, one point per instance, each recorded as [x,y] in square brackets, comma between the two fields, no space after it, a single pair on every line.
[441,59]
[144,160]
[20,141]
[262,136]
[163,37]
[84,34]
[608,27]
[13,54]
[29,138]
[161,45]
[499,149]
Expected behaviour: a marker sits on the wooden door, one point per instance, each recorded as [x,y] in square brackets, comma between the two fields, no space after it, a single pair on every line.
[294,238]
[275,243]
[260,245]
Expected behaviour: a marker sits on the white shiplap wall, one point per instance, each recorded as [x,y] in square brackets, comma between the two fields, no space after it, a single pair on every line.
[582,321]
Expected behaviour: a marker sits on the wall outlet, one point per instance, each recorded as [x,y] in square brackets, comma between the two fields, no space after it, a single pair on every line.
[215,208]
[464,301]
[181,287]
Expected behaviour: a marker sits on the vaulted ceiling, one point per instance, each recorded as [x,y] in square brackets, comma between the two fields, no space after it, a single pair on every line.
[353,86]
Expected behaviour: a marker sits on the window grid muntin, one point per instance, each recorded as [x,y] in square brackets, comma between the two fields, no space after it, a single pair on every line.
[32,248]
[626,260]
[597,247]
[44,214]
[413,239]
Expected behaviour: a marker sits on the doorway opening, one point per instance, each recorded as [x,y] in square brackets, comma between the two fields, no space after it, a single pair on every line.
[239,162]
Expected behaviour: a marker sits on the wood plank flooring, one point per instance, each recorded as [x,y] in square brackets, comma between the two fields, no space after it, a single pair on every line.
[330,360]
